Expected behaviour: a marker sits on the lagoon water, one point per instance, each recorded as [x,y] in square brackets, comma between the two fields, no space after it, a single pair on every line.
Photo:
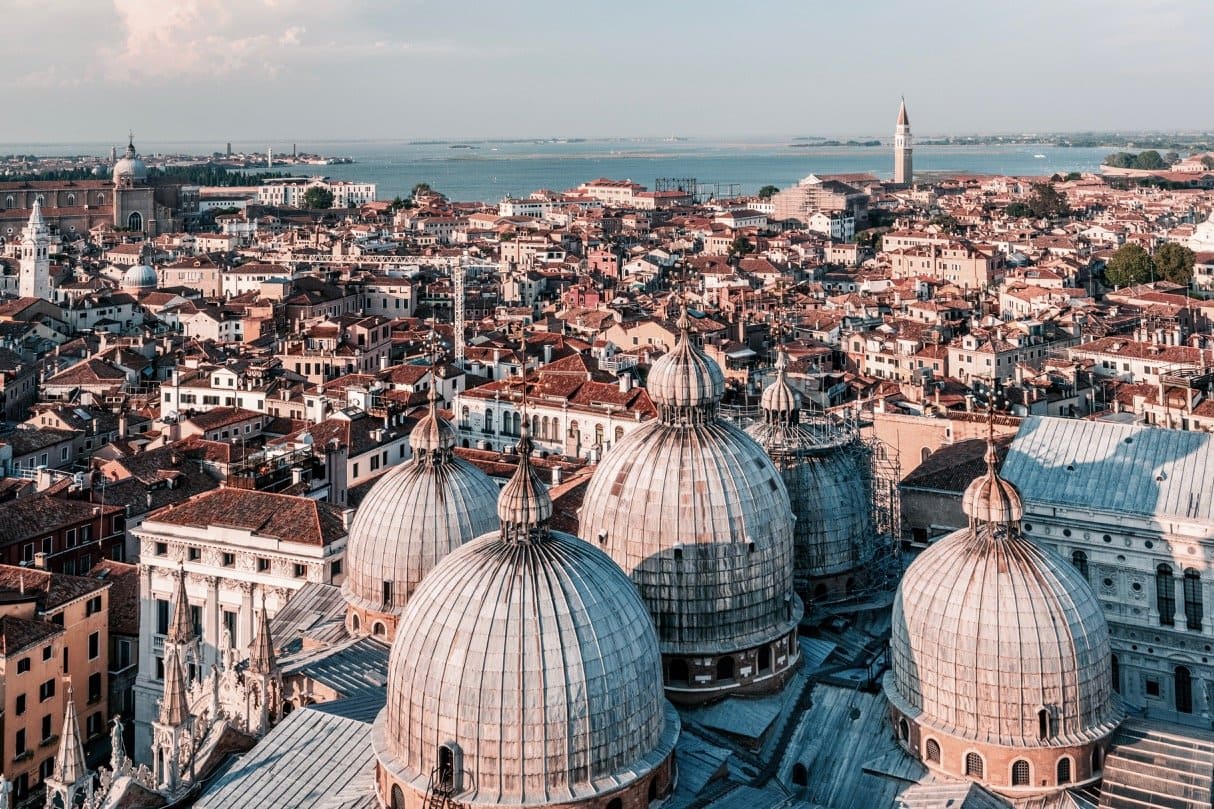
[490,170]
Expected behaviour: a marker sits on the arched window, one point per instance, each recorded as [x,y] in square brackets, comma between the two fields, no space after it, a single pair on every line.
[615,803]
[71,199]
[973,765]
[1020,773]
[800,776]
[488,421]
[903,729]
[378,629]
[1192,599]
[924,454]
[764,658]
[653,789]
[41,199]
[619,434]
[678,670]
[573,429]
[1064,770]
[932,751]
[1043,724]
[9,202]
[1165,595]
[1096,760]
[516,423]
[398,797]
[725,668]
[446,766]
[135,221]
[1184,690]
[535,425]
[1116,670]
[1080,560]
[354,622]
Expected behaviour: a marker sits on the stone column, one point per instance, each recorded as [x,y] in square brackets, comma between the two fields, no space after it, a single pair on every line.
[246,614]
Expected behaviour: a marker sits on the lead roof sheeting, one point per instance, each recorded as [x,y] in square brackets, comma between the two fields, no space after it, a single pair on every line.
[1142,470]
[307,757]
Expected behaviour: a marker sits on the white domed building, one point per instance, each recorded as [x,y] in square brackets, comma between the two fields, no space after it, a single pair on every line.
[414,515]
[525,672]
[697,515]
[1001,667]
[834,538]
[129,169]
[141,277]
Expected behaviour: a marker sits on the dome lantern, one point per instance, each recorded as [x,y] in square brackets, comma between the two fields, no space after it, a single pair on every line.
[684,384]
[781,404]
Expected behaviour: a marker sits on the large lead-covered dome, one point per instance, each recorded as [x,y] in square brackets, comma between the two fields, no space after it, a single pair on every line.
[130,168]
[997,640]
[416,514]
[822,467]
[696,513]
[527,662]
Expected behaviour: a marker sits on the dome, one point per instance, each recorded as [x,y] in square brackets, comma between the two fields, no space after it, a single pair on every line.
[697,514]
[433,434]
[990,498]
[685,377]
[129,167]
[779,400]
[992,632]
[414,515]
[140,276]
[527,660]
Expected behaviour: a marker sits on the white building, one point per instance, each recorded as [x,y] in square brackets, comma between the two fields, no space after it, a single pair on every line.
[1133,508]
[289,191]
[34,273]
[240,549]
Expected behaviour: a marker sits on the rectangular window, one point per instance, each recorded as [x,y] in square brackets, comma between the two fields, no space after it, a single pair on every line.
[46,690]
[229,559]
[162,616]
[263,564]
[229,623]
[48,651]
[23,665]
[196,619]
[335,569]
[1152,688]
[94,645]
[194,554]
[162,548]
[20,707]
[300,571]
[122,655]
[46,728]
[19,742]
[48,545]
[69,538]
[95,687]
[93,606]
[160,668]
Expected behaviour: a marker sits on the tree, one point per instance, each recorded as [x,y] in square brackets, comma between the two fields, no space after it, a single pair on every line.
[1171,157]
[768,191]
[1047,202]
[1174,262]
[318,198]
[1207,161]
[1018,210]
[740,246]
[1150,160]
[421,188]
[1131,264]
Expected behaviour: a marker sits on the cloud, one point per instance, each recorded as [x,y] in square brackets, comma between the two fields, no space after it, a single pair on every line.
[198,39]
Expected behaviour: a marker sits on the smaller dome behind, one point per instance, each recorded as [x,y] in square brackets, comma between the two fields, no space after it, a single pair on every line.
[140,276]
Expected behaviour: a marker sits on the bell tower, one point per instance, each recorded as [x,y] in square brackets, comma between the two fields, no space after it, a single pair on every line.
[903,171]
[34,273]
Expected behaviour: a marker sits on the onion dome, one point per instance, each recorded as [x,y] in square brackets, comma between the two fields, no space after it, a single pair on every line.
[780,402]
[528,663]
[990,498]
[697,514]
[433,434]
[997,640]
[685,383]
[414,515]
[129,168]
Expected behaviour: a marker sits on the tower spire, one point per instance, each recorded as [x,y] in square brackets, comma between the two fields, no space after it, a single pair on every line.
[261,652]
[181,631]
[71,781]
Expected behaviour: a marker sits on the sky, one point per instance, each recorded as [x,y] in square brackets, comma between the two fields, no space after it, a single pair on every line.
[234,70]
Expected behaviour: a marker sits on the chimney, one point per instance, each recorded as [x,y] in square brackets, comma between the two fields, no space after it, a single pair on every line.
[40,559]
[547,353]
[122,425]
[556,476]
[383,362]
[625,380]
[335,472]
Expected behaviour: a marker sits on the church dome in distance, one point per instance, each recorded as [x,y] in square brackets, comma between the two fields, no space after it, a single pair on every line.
[414,515]
[140,276]
[525,671]
[130,168]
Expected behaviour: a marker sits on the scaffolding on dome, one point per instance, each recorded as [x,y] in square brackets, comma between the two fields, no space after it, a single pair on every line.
[839,430]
